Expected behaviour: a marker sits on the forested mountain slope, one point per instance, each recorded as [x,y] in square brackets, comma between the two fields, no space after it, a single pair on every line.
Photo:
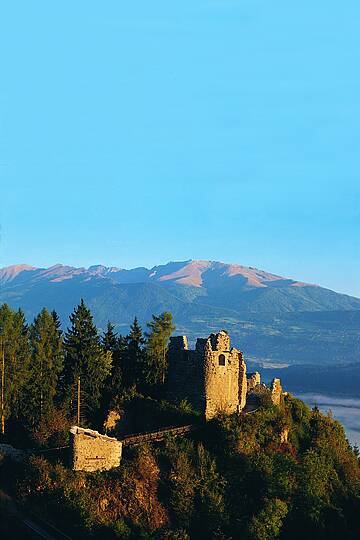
[280,320]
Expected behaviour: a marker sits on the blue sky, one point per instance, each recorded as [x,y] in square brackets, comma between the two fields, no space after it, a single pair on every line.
[133,133]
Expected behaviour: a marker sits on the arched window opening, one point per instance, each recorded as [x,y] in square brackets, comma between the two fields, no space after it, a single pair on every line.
[222,360]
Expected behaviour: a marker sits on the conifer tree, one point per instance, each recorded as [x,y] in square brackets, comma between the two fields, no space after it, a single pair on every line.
[14,341]
[57,322]
[115,344]
[134,355]
[160,329]
[85,359]
[46,365]
[109,338]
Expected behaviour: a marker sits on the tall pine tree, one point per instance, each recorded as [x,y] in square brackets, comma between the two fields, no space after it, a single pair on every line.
[47,362]
[133,372]
[15,345]
[109,338]
[85,359]
[115,344]
[57,322]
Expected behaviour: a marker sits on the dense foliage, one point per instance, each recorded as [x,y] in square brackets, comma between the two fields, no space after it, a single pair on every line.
[46,371]
[280,472]
[234,479]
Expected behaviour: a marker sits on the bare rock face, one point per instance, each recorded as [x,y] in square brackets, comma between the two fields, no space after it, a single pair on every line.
[92,451]
[276,391]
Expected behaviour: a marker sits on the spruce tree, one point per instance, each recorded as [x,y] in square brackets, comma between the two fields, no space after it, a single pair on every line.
[115,344]
[46,365]
[15,345]
[134,356]
[160,329]
[109,338]
[57,322]
[85,359]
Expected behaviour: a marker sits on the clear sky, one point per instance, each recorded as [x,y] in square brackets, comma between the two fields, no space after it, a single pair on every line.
[133,133]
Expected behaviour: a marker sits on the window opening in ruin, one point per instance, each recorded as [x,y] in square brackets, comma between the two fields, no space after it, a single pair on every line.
[222,360]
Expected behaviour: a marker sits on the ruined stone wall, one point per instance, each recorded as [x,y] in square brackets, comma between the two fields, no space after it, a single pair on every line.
[220,341]
[212,377]
[185,378]
[92,451]
[253,379]
[243,387]
[224,376]
[276,391]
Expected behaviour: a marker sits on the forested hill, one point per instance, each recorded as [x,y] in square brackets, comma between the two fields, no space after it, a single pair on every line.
[275,471]
[239,477]
[272,318]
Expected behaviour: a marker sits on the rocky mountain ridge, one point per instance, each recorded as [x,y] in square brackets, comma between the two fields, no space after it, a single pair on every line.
[192,273]
[277,319]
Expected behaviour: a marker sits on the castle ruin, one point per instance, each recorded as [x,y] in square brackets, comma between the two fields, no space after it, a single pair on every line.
[92,451]
[253,380]
[212,377]
[276,391]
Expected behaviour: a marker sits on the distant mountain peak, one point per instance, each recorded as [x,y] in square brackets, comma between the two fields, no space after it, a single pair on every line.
[276,318]
[99,269]
[11,272]
[189,274]
[197,273]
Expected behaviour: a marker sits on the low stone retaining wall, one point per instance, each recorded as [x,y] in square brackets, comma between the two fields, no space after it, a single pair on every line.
[92,451]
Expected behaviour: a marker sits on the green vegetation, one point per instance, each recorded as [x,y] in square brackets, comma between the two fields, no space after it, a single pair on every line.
[281,472]
[46,365]
[85,359]
[235,479]
[45,373]
[160,330]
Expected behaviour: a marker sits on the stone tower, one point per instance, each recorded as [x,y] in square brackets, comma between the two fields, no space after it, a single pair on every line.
[212,377]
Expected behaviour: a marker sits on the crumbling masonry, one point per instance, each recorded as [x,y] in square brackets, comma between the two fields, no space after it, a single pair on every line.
[92,451]
[212,377]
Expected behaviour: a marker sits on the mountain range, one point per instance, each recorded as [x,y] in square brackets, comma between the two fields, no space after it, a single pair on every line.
[275,320]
